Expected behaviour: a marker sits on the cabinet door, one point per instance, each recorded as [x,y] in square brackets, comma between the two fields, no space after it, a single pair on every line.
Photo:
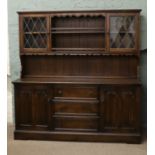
[123,32]
[31,107]
[121,108]
[34,33]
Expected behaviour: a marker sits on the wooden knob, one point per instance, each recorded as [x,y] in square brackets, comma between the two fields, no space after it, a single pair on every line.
[49,100]
[60,92]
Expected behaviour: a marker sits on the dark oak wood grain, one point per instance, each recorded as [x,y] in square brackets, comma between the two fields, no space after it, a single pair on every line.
[79,78]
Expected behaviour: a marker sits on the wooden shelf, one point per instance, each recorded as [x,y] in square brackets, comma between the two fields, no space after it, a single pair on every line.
[78,49]
[35,32]
[77,28]
[79,80]
[122,32]
[78,53]
[67,32]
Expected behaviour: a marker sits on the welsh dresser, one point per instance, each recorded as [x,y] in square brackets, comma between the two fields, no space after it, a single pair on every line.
[80,76]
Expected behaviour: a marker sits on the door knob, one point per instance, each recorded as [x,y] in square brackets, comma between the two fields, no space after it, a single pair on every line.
[60,92]
[49,100]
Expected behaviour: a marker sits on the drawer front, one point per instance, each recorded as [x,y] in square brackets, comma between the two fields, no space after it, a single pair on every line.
[83,123]
[76,106]
[73,91]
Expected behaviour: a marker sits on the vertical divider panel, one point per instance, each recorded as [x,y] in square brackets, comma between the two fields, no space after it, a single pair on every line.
[107,33]
[101,106]
[33,108]
[21,33]
[51,108]
[48,32]
[138,33]
[138,108]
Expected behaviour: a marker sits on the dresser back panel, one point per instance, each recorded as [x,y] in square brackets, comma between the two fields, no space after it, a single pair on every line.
[107,66]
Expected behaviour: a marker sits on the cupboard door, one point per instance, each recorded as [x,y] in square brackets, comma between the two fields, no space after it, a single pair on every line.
[31,107]
[123,32]
[34,33]
[121,109]
[23,106]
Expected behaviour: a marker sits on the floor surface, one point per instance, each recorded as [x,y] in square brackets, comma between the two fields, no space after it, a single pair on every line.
[28,147]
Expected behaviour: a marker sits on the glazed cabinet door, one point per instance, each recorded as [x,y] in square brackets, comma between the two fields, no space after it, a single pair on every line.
[123,32]
[121,108]
[31,107]
[34,33]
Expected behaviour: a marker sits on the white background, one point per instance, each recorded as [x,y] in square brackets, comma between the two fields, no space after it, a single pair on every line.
[150,79]
[3,77]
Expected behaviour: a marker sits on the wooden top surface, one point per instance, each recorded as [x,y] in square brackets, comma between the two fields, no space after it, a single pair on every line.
[82,11]
[78,80]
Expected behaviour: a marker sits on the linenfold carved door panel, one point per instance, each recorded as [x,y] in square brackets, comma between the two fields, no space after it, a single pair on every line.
[120,109]
[31,107]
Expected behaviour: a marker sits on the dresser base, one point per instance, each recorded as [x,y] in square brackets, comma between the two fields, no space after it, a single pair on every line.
[78,136]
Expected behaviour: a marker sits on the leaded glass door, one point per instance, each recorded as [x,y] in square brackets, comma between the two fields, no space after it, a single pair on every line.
[35,34]
[122,32]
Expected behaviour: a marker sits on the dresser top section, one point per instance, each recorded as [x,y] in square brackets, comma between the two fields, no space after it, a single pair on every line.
[82,11]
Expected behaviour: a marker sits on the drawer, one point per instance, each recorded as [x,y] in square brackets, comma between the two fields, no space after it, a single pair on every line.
[82,123]
[76,106]
[74,91]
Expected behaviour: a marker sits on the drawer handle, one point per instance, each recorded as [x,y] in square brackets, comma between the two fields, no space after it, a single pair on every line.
[60,92]
[50,100]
